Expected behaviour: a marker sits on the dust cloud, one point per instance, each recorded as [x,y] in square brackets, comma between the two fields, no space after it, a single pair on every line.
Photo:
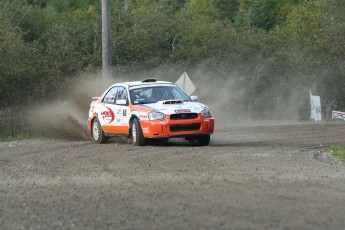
[223,98]
[232,103]
[236,98]
[225,93]
[67,116]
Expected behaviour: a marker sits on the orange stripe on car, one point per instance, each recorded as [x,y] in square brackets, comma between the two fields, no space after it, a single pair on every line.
[115,129]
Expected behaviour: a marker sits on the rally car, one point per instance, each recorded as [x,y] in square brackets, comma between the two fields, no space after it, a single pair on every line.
[149,109]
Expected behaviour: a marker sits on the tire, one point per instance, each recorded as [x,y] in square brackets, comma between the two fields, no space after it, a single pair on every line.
[97,132]
[203,140]
[137,134]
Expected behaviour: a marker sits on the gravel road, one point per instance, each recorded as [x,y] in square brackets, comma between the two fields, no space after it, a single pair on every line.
[259,176]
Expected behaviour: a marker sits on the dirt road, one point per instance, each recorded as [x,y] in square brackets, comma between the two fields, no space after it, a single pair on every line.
[260,176]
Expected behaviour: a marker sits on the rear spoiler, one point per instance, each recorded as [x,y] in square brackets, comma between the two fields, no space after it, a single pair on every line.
[95,98]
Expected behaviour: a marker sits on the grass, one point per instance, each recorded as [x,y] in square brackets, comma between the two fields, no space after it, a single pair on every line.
[338,152]
[17,138]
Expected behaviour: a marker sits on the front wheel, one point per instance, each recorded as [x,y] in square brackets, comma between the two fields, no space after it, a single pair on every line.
[97,132]
[203,140]
[137,134]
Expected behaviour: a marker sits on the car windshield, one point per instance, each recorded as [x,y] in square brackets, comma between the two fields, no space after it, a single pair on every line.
[153,94]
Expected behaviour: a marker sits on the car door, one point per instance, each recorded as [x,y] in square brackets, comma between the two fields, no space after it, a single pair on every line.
[122,111]
[114,111]
[106,115]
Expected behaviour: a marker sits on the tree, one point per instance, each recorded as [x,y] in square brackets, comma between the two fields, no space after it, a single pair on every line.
[203,8]
[263,14]
[226,9]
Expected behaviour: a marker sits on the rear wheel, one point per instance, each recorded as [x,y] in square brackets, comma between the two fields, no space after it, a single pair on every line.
[97,132]
[203,140]
[137,134]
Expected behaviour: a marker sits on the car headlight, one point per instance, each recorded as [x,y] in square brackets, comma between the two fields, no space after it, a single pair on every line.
[153,115]
[206,113]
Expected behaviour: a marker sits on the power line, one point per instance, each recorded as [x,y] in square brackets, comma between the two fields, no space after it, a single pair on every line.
[3,9]
[25,14]
[15,28]
[15,12]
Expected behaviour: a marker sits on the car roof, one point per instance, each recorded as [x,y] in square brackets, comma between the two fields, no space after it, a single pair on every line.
[131,84]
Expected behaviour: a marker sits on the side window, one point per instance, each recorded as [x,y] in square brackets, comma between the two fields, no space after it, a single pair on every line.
[122,94]
[110,96]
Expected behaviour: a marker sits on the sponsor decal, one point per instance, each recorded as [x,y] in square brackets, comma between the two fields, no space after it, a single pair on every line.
[124,113]
[108,115]
[182,111]
[146,130]
[119,111]
[338,114]
[144,116]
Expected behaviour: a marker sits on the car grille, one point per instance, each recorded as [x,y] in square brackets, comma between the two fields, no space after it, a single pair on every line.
[181,116]
[189,127]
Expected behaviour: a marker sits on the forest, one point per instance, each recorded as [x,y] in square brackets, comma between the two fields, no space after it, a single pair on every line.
[256,58]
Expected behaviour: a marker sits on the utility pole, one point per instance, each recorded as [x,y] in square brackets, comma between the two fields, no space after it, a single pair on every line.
[106,42]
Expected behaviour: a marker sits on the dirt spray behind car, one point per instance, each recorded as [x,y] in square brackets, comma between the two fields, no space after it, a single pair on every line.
[65,117]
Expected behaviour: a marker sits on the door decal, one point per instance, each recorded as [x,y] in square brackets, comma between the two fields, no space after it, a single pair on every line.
[108,116]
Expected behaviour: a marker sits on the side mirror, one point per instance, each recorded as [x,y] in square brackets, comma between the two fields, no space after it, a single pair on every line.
[194,98]
[121,102]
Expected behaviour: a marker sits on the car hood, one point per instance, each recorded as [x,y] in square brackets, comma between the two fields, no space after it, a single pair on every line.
[172,107]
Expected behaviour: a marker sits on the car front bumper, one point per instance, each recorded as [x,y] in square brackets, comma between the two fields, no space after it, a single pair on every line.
[177,128]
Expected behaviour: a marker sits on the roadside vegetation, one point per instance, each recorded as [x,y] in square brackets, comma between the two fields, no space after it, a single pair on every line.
[338,152]
[15,138]
[273,51]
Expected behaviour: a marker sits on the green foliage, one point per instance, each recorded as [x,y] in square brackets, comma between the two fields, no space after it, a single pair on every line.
[203,8]
[338,152]
[144,37]
[62,6]
[226,9]
[198,39]
[41,49]
[241,19]
[17,73]
[316,39]
[263,14]
[17,138]
[336,9]
[304,23]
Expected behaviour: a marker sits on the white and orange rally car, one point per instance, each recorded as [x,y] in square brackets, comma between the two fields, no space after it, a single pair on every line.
[149,109]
